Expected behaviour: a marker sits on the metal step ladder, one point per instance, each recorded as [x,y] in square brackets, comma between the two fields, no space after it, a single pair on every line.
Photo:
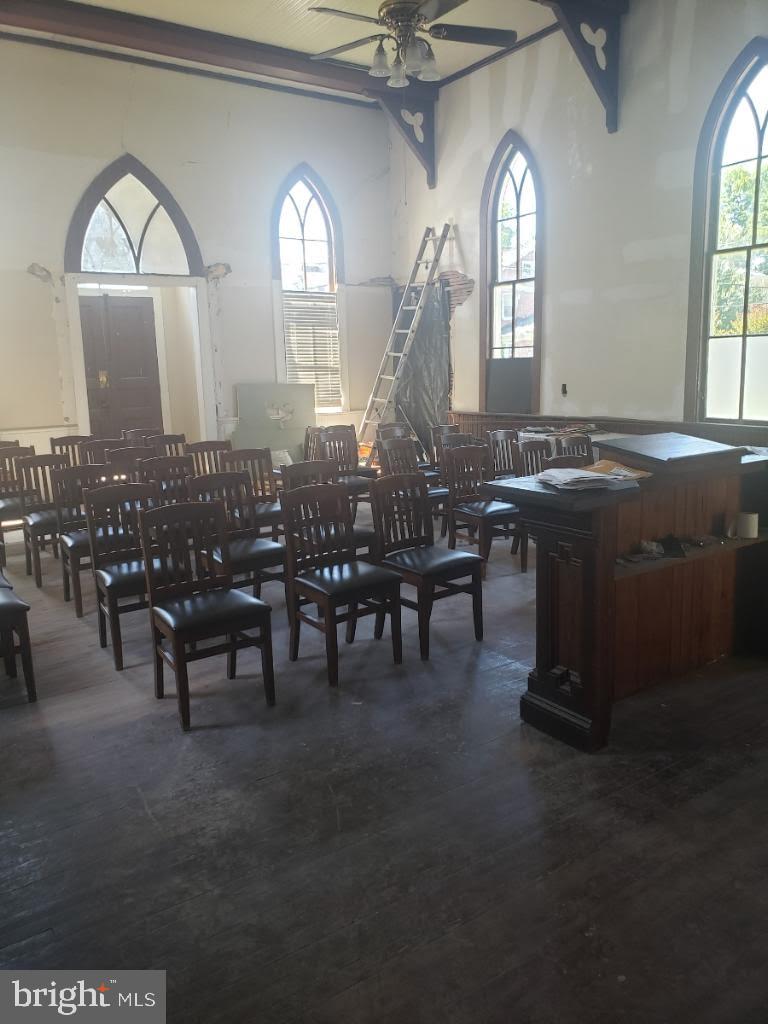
[403,332]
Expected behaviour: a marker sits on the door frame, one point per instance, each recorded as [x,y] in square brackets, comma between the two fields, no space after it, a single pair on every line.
[204,365]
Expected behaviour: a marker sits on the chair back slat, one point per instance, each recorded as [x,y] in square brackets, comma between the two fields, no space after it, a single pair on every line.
[69,485]
[176,540]
[306,474]
[95,450]
[69,444]
[166,444]
[170,473]
[575,444]
[112,514]
[318,527]
[399,455]
[503,444]
[233,490]
[401,512]
[339,445]
[466,470]
[124,462]
[257,463]
[206,455]
[9,480]
[141,433]
[530,457]
[438,432]
[34,477]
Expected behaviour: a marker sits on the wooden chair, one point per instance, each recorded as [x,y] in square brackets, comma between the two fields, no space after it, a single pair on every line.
[438,432]
[399,456]
[575,444]
[191,598]
[69,485]
[69,444]
[530,456]
[170,473]
[467,469]
[322,569]
[13,622]
[38,508]
[10,490]
[387,431]
[339,445]
[566,462]
[112,513]
[405,543]
[312,443]
[94,451]
[5,443]
[141,433]
[251,557]
[324,471]
[166,445]
[124,462]
[206,455]
[257,463]
[502,444]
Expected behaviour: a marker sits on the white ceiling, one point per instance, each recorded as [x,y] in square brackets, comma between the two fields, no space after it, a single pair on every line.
[290,24]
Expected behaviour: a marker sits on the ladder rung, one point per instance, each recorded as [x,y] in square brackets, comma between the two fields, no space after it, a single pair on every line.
[385,376]
[402,330]
[409,308]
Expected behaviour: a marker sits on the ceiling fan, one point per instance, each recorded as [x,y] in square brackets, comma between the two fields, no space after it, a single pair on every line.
[406,22]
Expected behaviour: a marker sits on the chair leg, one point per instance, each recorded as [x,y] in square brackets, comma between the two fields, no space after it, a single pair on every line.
[523,549]
[232,658]
[267,667]
[443,523]
[182,681]
[101,617]
[294,622]
[2,548]
[36,567]
[484,541]
[425,600]
[331,646]
[9,657]
[113,612]
[26,658]
[65,574]
[27,552]
[351,622]
[451,531]
[396,626]
[477,602]
[77,588]
[157,639]
[381,618]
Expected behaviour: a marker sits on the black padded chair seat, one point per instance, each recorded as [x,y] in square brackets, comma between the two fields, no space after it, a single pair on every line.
[338,580]
[44,520]
[247,553]
[10,509]
[355,484]
[11,604]
[367,471]
[429,473]
[228,609]
[363,536]
[76,540]
[4,584]
[433,561]
[129,577]
[437,493]
[488,509]
[266,513]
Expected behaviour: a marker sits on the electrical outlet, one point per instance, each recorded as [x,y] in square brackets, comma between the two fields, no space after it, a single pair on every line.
[564,389]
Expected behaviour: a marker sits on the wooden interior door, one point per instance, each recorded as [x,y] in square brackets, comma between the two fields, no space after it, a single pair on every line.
[121,369]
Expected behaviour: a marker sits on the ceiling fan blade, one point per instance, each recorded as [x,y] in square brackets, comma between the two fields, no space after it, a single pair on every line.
[431,9]
[471,34]
[346,46]
[345,14]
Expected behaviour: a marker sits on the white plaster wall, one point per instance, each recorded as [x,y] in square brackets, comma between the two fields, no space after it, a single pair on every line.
[222,150]
[617,222]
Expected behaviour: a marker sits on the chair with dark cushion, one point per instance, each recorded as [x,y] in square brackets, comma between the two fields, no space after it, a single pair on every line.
[254,560]
[69,444]
[112,513]
[399,457]
[69,485]
[191,597]
[322,569]
[575,444]
[339,444]
[324,471]
[438,432]
[503,444]
[94,451]
[529,457]
[38,508]
[13,622]
[141,434]
[206,455]
[257,463]
[170,473]
[10,490]
[405,543]
[166,445]
[467,469]
[124,462]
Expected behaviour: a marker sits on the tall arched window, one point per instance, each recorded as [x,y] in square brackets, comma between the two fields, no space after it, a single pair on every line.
[308,274]
[734,367]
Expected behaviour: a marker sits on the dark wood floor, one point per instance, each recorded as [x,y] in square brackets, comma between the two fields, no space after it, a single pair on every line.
[402,850]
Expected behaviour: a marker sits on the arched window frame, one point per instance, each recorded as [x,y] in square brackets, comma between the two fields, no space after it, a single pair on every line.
[705,224]
[95,194]
[328,207]
[510,144]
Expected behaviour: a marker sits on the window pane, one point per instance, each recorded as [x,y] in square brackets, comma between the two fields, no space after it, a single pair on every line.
[507,250]
[314,225]
[758,93]
[742,141]
[523,353]
[524,310]
[527,246]
[724,378]
[292,264]
[737,205]
[517,168]
[762,214]
[757,311]
[290,225]
[317,267]
[528,195]
[756,380]
[301,196]
[729,282]
[106,248]
[162,251]
[507,199]
[134,204]
[503,319]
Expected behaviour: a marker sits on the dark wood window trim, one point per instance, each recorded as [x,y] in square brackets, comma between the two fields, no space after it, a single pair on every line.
[316,184]
[504,151]
[704,220]
[95,193]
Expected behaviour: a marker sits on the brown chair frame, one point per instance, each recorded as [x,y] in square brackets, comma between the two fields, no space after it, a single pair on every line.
[166,445]
[206,455]
[37,496]
[503,444]
[529,460]
[69,444]
[170,473]
[69,485]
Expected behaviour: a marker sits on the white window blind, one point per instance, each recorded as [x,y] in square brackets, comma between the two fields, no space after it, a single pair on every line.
[311,327]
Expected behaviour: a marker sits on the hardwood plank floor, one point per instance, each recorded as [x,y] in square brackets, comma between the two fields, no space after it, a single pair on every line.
[402,850]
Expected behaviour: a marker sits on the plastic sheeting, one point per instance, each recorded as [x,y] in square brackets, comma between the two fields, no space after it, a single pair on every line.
[423,391]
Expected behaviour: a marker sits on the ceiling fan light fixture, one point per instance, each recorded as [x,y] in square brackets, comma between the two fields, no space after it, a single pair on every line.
[429,72]
[398,79]
[414,58]
[379,65]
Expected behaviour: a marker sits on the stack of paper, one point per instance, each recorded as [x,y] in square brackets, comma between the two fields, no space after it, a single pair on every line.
[580,479]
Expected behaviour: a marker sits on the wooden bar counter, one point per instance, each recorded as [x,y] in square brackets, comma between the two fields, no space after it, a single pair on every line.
[606,630]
